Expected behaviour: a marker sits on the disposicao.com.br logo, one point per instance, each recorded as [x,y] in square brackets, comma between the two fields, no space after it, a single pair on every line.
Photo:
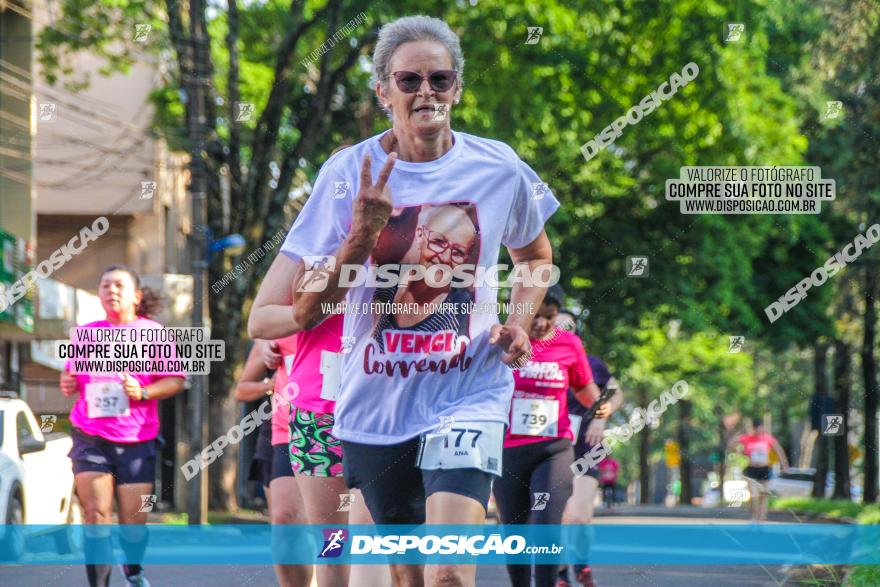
[447,544]
[320,268]
[334,542]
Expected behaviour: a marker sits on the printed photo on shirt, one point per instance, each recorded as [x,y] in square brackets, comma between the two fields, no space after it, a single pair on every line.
[434,318]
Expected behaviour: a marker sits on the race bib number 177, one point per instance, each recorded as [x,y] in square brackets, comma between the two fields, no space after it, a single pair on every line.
[467,445]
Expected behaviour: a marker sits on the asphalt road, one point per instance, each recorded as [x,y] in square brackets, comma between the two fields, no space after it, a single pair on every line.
[487,576]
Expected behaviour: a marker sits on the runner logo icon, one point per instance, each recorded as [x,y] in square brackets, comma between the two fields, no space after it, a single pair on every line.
[534,34]
[340,189]
[47,423]
[147,503]
[541,501]
[317,275]
[735,32]
[736,344]
[833,425]
[334,541]
[832,110]
[637,266]
[345,502]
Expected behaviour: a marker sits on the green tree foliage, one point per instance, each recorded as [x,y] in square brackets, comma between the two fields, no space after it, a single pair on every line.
[754,102]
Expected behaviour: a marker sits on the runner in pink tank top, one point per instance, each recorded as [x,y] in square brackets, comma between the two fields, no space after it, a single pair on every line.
[308,362]
[536,479]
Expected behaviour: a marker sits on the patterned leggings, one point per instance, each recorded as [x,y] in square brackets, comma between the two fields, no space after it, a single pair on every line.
[314,451]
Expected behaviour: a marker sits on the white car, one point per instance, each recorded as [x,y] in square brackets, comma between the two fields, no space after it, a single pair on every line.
[798,482]
[36,479]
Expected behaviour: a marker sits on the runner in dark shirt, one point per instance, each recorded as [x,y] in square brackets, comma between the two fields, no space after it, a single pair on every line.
[579,509]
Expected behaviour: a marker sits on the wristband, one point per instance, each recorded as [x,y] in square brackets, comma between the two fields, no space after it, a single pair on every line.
[144,394]
[270,390]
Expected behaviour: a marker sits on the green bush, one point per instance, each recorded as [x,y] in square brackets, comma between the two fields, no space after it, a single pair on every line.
[836,508]
[859,575]
[863,576]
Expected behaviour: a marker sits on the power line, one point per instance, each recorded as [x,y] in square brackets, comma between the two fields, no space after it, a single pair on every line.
[89,115]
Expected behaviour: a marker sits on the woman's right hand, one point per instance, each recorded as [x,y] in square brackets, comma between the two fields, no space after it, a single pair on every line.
[372,206]
[67,384]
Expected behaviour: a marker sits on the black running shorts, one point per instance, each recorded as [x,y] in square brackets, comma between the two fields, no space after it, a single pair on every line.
[395,488]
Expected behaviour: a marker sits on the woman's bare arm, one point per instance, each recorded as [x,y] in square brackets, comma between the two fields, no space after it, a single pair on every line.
[272,314]
[588,394]
[165,387]
[250,385]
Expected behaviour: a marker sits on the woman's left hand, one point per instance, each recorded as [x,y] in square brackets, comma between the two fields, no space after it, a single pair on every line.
[131,386]
[513,340]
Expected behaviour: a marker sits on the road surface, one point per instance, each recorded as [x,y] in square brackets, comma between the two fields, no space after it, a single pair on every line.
[487,576]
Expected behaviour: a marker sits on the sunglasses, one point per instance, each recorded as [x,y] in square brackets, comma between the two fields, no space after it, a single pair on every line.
[409,82]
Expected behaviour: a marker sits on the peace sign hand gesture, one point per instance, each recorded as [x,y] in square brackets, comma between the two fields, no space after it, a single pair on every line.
[372,206]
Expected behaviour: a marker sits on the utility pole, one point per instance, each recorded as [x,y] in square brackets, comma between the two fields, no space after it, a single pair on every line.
[196,82]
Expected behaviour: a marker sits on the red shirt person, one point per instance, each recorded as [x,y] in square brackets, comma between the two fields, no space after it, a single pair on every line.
[608,470]
[757,446]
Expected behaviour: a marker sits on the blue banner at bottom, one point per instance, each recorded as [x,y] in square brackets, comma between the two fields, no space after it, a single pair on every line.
[249,544]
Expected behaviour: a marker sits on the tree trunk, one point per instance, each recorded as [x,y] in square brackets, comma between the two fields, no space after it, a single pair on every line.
[820,378]
[842,383]
[722,451]
[644,454]
[784,433]
[223,414]
[684,444]
[869,375]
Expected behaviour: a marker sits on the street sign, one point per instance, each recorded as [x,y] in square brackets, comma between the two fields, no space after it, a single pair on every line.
[673,454]
[855,453]
[15,262]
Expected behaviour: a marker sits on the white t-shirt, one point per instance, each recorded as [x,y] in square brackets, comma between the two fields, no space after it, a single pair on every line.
[399,379]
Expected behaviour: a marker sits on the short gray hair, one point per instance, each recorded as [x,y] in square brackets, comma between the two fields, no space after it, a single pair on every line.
[406,30]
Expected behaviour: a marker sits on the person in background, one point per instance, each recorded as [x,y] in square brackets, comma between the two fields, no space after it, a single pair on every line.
[580,506]
[536,479]
[758,447]
[254,384]
[259,380]
[116,432]
[608,471]
[307,382]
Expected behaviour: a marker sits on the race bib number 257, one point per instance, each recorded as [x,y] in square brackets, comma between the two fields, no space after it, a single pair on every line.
[107,399]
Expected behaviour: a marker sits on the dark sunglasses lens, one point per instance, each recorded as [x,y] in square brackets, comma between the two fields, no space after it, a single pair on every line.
[409,82]
[442,81]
